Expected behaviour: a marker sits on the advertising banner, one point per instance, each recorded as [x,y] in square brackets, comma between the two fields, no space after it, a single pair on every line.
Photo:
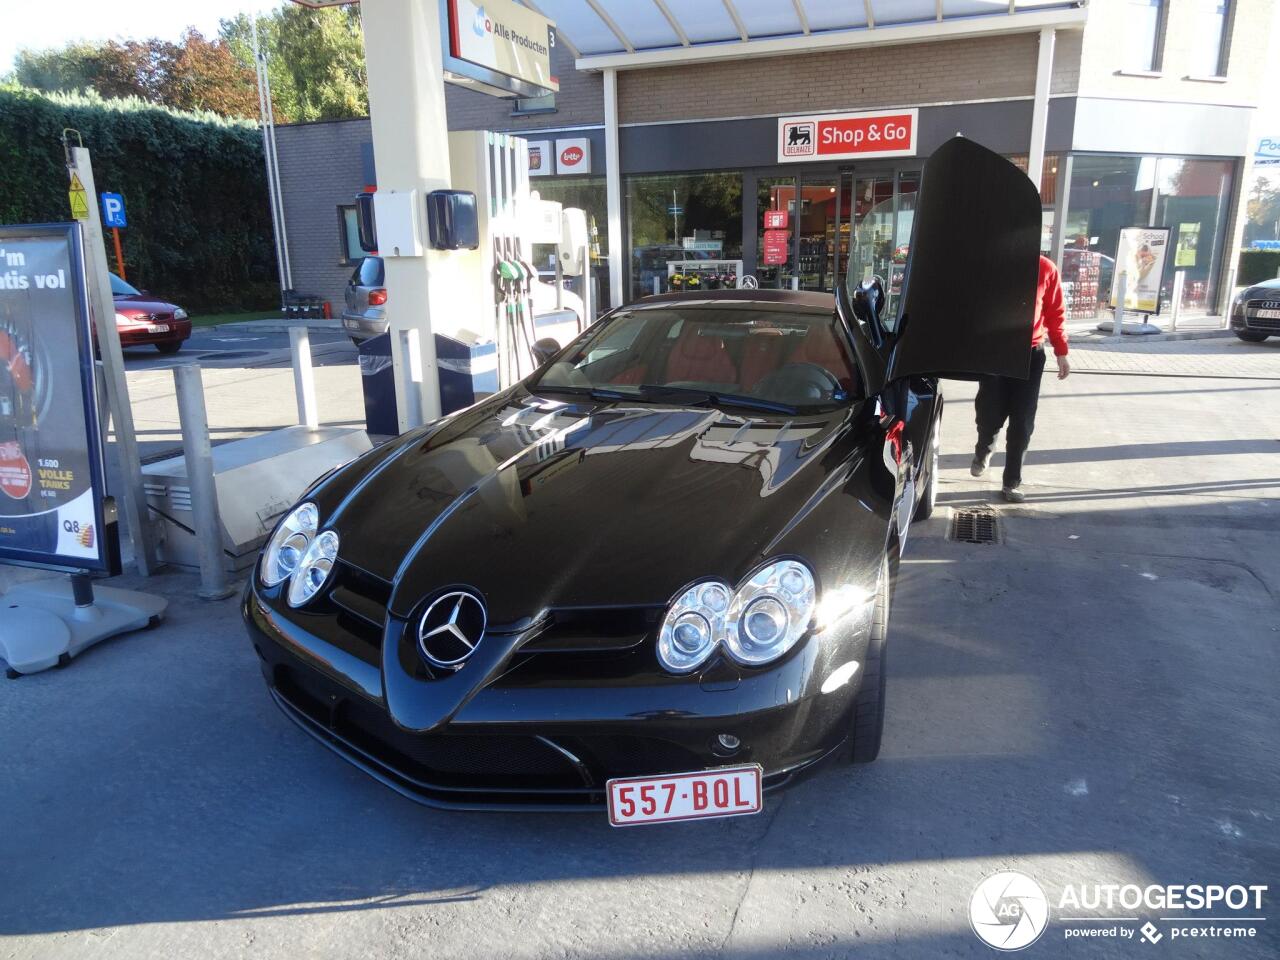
[844,136]
[504,37]
[541,162]
[52,481]
[1141,255]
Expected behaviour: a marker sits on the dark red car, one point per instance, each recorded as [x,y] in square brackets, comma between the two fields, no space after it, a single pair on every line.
[141,319]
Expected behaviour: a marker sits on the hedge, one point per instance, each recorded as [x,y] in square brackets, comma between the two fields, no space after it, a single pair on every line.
[1256,266]
[194,187]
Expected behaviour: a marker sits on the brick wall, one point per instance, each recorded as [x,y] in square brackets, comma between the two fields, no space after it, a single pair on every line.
[980,68]
[1105,42]
[580,101]
[320,169]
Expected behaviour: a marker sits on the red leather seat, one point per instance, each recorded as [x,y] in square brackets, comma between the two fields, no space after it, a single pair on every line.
[821,347]
[634,374]
[760,357]
[701,359]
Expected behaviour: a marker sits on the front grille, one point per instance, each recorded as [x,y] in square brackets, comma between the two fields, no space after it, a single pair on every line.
[590,629]
[439,761]
[638,756]
[1267,324]
[360,601]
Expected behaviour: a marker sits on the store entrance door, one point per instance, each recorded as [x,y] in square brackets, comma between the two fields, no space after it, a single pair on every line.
[883,211]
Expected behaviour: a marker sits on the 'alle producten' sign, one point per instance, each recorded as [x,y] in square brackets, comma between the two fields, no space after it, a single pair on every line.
[52,481]
[505,37]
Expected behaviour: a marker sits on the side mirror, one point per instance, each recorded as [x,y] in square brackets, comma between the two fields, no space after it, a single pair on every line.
[544,350]
[868,306]
[365,226]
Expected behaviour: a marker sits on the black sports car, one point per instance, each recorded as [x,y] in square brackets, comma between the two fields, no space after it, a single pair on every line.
[1255,313]
[668,554]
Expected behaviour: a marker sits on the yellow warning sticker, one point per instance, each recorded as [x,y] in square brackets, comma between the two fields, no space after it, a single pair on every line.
[79,199]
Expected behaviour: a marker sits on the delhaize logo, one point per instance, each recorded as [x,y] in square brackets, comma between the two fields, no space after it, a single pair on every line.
[571,156]
[480,24]
[15,472]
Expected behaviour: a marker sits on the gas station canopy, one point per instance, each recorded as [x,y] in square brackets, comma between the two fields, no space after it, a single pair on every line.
[637,33]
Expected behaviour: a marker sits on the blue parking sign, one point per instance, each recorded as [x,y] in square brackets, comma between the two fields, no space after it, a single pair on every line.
[113,210]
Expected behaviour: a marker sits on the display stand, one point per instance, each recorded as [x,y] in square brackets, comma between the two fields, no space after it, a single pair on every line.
[44,623]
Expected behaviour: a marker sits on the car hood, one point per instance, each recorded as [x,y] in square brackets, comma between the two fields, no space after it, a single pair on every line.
[540,503]
[133,304]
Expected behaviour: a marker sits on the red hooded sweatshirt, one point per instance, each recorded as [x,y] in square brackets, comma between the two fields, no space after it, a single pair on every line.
[1050,313]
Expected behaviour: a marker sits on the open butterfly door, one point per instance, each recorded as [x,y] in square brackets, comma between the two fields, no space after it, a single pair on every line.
[968,300]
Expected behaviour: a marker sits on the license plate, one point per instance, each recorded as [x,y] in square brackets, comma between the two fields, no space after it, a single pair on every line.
[158,328]
[723,792]
[1267,314]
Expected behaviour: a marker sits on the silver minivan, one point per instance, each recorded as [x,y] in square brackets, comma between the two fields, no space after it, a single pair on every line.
[365,313]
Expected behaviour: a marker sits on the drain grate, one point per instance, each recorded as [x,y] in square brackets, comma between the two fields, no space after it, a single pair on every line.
[974,525]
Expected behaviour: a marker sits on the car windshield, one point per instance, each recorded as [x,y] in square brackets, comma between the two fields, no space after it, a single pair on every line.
[711,353]
[121,289]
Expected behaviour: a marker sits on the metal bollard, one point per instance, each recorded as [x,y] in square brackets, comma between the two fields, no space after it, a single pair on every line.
[1122,292]
[657,286]
[795,283]
[197,451]
[304,380]
[1231,296]
[1179,281]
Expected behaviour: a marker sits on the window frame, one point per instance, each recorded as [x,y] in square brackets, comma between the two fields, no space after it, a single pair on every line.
[345,238]
[1158,45]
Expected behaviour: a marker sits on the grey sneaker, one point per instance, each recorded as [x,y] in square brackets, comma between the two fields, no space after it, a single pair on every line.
[1013,494]
[979,465]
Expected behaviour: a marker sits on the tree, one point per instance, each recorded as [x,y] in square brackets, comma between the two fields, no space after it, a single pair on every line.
[315,60]
[193,74]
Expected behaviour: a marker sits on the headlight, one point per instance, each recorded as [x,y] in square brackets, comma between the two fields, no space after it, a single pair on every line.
[693,626]
[127,321]
[314,570]
[288,544]
[770,612]
[179,314]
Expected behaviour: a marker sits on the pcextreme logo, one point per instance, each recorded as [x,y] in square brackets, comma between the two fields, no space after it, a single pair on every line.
[1010,911]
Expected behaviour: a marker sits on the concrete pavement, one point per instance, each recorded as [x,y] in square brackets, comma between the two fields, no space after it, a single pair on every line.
[1093,700]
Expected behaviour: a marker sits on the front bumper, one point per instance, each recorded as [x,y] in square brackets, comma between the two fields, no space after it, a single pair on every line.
[521,741]
[139,335]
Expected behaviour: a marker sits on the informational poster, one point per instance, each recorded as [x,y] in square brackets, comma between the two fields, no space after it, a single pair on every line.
[1141,257]
[777,247]
[541,162]
[1188,243]
[51,467]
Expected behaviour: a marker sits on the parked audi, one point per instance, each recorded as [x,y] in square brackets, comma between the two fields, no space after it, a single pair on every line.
[1255,312]
[655,577]
[143,319]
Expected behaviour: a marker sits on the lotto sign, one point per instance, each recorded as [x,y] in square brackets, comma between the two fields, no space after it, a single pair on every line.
[573,156]
[842,136]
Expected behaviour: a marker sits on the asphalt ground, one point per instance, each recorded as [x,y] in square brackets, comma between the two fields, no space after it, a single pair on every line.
[1091,700]
[235,346]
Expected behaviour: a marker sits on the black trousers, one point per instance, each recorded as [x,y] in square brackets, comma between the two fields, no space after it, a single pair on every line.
[1005,398]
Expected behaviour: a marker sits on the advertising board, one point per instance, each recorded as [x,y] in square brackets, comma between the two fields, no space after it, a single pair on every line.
[52,478]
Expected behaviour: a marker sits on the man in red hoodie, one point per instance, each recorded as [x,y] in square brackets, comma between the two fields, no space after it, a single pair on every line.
[1001,398]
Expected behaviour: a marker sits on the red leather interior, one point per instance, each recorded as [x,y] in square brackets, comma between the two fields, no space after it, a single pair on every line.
[821,347]
[634,374]
[701,359]
[760,357]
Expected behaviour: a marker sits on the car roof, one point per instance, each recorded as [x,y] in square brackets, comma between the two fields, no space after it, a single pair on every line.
[802,301]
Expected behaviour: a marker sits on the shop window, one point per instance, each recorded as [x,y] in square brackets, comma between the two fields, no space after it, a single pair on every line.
[775,261]
[1209,26]
[1109,193]
[527,106]
[684,226]
[349,235]
[1143,35]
